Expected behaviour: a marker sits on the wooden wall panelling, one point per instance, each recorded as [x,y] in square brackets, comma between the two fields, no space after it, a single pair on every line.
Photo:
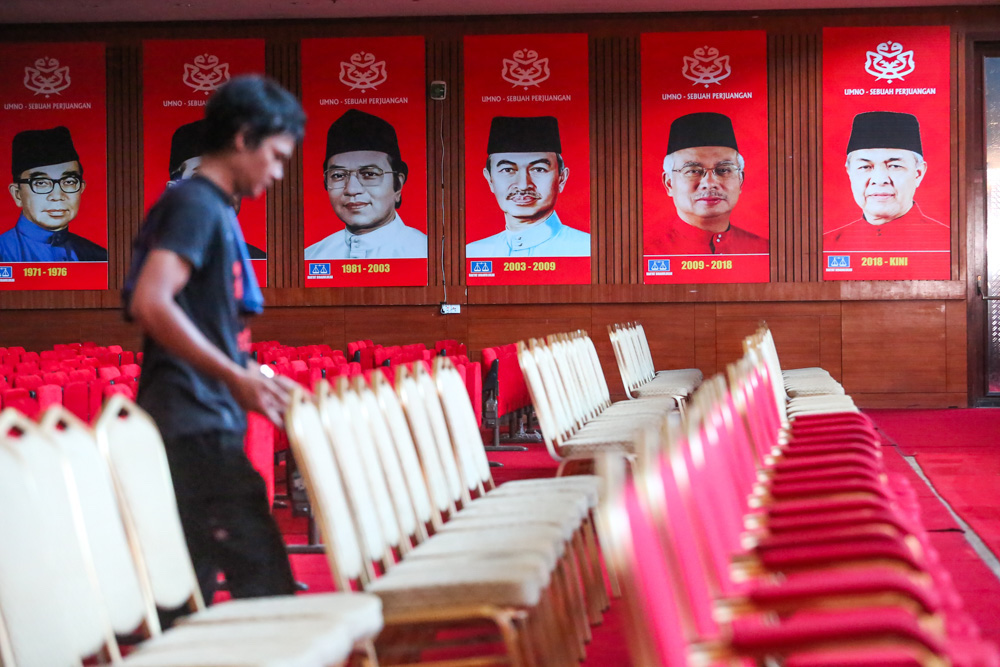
[797,328]
[500,324]
[285,247]
[894,347]
[40,329]
[705,355]
[956,356]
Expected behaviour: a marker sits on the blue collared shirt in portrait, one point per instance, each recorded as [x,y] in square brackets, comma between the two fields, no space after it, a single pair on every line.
[549,238]
[393,241]
[27,242]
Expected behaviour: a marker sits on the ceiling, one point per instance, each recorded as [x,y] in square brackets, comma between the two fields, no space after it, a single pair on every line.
[101,11]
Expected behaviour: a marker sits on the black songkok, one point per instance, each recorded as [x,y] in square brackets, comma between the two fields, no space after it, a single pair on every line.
[536,134]
[360,131]
[885,129]
[40,148]
[188,142]
[701,129]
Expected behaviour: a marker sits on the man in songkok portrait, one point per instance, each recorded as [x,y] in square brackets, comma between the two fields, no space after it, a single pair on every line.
[47,185]
[186,146]
[885,166]
[703,174]
[364,174]
[525,171]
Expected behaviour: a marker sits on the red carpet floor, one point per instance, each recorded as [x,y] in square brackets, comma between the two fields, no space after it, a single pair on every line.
[959,451]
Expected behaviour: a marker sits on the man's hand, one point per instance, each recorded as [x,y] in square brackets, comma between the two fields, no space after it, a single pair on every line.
[254,391]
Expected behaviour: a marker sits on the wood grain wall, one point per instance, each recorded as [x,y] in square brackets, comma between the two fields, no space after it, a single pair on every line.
[891,343]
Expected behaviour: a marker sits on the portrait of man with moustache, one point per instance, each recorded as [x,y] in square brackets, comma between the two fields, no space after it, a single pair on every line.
[525,172]
[703,172]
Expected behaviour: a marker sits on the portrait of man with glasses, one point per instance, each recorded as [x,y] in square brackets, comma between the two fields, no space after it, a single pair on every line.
[47,185]
[526,173]
[703,174]
[364,174]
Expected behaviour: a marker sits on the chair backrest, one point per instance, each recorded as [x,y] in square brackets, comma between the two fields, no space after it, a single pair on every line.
[427,397]
[544,410]
[131,443]
[388,461]
[462,424]
[655,630]
[444,488]
[116,571]
[321,474]
[349,436]
[406,452]
[52,609]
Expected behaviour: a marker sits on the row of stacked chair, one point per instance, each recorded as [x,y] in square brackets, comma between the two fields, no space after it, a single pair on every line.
[639,376]
[93,548]
[573,404]
[763,527]
[402,492]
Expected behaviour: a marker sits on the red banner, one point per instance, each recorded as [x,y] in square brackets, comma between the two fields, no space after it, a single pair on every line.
[366,208]
[178,77]
[527,143]
[53,122]
[886,153]
[704,157]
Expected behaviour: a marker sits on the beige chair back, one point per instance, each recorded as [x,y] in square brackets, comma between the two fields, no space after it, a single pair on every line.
[117,576]
[131,443]
[51,609]
[312,451]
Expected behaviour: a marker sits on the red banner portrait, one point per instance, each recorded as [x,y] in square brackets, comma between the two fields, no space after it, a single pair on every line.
[365,162]
[527,160]
[178,77]
[53,136]
[886,153]
[704,158]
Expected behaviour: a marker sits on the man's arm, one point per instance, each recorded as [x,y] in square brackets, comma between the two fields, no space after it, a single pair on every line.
[163,275]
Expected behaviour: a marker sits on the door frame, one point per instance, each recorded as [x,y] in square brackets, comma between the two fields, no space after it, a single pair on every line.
[978,47]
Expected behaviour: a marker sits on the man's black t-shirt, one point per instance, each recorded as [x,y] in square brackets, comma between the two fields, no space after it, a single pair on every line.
[192,219]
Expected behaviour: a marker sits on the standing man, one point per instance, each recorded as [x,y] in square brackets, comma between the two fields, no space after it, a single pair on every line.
[364,175]
[525,171]
[191,289]
[885,165]
[703,173]
[47,185]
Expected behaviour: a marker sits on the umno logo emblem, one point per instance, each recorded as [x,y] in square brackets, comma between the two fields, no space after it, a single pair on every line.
[706,66]
[46,77]
[363,72]
[889,62]
[206,73]
[525,68]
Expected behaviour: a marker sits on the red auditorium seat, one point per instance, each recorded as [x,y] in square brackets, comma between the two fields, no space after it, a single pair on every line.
[20,399]
[26,367]
[127,357]
[112,389]
[83,374]
[259,448]
[48,395]
[130,370]
[76,398]
[108,372]
[29,382]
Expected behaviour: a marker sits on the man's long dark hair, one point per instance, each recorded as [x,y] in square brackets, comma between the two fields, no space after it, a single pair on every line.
[253,103]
